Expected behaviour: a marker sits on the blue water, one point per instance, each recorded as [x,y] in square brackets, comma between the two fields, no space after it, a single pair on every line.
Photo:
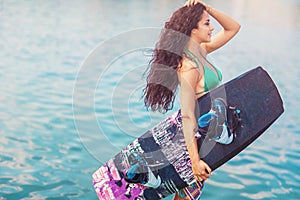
[71,78]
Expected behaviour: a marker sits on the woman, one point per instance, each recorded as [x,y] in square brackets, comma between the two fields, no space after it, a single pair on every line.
[180,59]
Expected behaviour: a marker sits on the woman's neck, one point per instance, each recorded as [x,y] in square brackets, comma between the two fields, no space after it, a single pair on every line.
[195,48]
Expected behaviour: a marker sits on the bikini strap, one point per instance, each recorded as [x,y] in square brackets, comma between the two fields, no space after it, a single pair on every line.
[193,57]
[197,61]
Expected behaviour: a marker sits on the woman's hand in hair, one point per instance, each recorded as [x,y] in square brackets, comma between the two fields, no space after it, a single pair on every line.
[191,2]
[194,2]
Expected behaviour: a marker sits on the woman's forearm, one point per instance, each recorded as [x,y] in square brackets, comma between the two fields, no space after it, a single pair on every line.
[189,124]
[224,20]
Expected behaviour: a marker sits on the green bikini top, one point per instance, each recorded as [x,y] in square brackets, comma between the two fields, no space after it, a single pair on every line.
[212,77]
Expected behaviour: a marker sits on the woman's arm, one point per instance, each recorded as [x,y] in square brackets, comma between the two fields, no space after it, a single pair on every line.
[188,77]
[230,27]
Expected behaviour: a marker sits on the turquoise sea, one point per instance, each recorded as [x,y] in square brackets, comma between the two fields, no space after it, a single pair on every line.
[71,75]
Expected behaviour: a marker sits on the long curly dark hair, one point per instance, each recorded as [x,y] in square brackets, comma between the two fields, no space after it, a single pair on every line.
[162,78]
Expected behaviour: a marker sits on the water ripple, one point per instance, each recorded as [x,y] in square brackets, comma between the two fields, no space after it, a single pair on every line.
[43,156]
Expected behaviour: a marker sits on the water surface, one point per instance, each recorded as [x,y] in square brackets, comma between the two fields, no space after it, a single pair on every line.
[47,152]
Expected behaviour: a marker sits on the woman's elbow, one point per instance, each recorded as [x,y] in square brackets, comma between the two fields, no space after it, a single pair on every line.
[235,30]
[238,27]
[188,116]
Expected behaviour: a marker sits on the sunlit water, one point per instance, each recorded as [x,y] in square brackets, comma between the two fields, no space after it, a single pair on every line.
[49,147]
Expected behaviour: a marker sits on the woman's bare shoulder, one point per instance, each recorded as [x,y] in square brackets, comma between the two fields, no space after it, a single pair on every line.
[187,65]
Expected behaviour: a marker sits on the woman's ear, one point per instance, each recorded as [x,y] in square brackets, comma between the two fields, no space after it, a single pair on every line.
[194,31]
